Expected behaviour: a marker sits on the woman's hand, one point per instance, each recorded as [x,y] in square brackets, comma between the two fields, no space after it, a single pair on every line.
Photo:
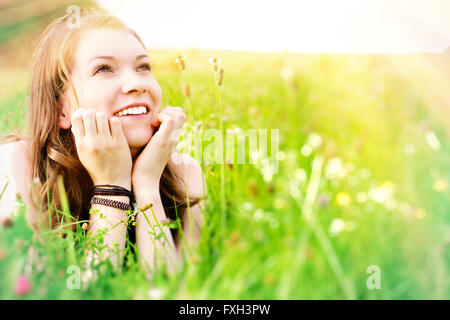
[102,147]
[150,164]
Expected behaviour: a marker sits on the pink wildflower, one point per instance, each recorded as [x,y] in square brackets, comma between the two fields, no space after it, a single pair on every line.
[23,285]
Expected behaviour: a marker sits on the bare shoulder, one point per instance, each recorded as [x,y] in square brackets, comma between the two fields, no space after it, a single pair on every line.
[21,159]
[21,167]
[22,173]
[16,157]
[21,149]
[191,172]
[16,165]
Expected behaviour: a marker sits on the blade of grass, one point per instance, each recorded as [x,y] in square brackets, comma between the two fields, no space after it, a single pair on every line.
[311,220]
[66,212]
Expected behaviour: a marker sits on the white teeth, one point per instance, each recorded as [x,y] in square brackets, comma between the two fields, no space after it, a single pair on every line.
[134,110]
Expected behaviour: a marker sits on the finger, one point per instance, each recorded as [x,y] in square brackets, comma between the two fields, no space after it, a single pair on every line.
[178,116]
[167,124]
[156,121]
[173,108]
[172,111]
[165,117]
[102,124]
[90,126]
[116,128]
[77,123]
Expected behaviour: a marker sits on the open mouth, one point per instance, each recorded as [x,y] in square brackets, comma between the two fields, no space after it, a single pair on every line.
[134,111]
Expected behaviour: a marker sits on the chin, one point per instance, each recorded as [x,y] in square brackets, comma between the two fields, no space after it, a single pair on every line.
[138,138]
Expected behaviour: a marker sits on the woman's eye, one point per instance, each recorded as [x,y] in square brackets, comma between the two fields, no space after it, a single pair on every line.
[146,66]
[103,67]
[107,67]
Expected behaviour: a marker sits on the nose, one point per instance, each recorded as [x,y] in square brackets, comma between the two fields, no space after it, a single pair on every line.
[134,83]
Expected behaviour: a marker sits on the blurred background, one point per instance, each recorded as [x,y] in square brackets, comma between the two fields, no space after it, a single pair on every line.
[359,208]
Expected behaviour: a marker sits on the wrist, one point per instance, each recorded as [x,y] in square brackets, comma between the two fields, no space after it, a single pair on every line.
[146,185]
[146,193]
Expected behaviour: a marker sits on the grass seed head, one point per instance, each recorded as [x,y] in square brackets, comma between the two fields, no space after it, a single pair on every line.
[253,189]
[3,254]
[186,90]
[215,63]
[220,78]
[146,207]
[8,223]
[181,61]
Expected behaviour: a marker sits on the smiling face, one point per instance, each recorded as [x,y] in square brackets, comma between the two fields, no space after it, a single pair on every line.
[110,71]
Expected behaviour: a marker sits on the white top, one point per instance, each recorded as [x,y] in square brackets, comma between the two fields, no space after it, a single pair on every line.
[8,203]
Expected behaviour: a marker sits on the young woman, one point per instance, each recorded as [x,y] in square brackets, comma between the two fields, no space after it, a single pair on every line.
[95,118]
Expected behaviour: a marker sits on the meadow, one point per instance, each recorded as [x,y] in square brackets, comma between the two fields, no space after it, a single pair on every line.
[358,207]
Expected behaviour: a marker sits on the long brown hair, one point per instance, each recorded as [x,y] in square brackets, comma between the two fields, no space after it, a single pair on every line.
[52,149]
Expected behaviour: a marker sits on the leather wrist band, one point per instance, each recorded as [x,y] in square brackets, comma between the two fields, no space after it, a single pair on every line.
[111,203]
[111,190]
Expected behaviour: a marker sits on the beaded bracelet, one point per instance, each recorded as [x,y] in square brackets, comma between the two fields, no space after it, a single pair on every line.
[111,203]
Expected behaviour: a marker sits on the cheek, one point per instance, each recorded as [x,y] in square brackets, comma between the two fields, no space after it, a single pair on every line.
[156,94]
[95,96]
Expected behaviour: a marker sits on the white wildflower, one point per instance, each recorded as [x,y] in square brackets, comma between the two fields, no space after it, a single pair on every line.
[247,206]
[334,169]
[300,175]
[306,150]
[432,140]
[336,226]
[258,215]
[314,140]
[281,155]
[155,294]
[286,73]
[273,223]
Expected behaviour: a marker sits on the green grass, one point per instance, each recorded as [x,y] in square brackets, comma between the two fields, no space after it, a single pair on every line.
[302,233]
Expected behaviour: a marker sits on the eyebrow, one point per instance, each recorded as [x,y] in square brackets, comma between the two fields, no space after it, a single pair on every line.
[113,58]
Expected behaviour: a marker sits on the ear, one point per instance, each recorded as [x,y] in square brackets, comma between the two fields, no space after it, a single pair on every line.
[64,116]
